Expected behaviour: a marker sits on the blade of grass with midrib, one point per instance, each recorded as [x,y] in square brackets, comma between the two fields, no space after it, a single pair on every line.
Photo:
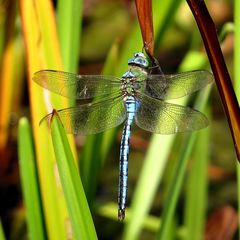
[79,213]
[180,166]
[196,190]
[177,178]
[29,181]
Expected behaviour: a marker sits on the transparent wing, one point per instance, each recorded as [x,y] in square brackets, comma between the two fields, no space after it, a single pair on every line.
[161,117]
[77,86]
[176,85]
[93,117]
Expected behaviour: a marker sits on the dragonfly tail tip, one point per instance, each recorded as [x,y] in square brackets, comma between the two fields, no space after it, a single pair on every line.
[121,214]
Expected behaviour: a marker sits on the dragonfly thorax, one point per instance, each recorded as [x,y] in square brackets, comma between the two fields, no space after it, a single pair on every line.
[131,81]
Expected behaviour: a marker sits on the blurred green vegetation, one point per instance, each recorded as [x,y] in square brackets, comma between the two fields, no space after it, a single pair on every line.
[97,37]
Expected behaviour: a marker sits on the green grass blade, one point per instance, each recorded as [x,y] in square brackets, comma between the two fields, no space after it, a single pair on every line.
[196,198]
[90,163]
[192,60]
[178,175]
[69,20]
[174,189]
[79,213]
[151,174]
[2,237]
[29,181]
[227,28]
[163,14]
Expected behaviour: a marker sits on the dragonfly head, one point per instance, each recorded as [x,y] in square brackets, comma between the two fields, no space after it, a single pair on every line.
[139,60]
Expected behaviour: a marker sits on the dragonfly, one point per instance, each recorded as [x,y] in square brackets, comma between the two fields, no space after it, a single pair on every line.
[138,96]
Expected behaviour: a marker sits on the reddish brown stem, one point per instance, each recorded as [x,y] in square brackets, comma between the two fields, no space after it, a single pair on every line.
[223,81]
[144,12]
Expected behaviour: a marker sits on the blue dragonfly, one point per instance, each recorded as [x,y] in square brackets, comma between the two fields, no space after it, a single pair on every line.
[137,95]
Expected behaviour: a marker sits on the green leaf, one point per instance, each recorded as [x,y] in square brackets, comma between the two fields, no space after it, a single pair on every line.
[69,20]
[80,216]
[150,176]
[2,237]
[90,164]
[29,180]
[196,195]
[178,174]
[175,187]
[164,13]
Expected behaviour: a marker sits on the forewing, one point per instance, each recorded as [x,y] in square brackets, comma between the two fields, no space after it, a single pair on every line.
[93,117]
[177,85]
[161,117]
[77,86]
